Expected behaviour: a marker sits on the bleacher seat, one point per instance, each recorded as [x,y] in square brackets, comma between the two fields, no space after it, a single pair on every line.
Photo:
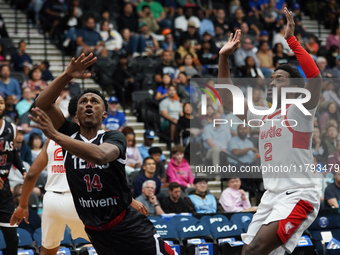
[25,239]
[242,219]
[321,224]
[79,242]
[2,241]
[37,237]
[33,201]
[67,241]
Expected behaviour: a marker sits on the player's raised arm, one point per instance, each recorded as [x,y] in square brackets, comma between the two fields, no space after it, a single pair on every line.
[224,72]
[37,167]
[46,99]
[306,62]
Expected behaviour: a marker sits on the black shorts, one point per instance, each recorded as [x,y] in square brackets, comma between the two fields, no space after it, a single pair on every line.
[135,234]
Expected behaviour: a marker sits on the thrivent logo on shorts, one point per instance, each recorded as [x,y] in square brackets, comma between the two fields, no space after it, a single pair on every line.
[288,227]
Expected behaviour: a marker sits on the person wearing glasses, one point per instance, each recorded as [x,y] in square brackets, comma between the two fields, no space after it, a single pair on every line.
[148,198]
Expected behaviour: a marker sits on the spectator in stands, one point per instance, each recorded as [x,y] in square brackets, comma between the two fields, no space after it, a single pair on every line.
[233,6]
[9,86]
[162,90]
[130,43]
[128,19]
[332,13]
[105,16]
[149,173]
[113,40]
[148,44]
[165,67]
[266,59]
[200,201]
[220,37]
[170,109]
[125,76]
[35,143]
[324,70]
[88,40]
[238,19]
[21,61]
[185,91]
[245,51]
[174,203]
[46,73]
[336,69]
[11,114]
[279,38]
[316,142]
[280,57]
[241,148]
[188,66]
[257,7]
[23,149]
[179,169]
[270,15]
[35,83]
[264,36]
[168,44]
[332,193]
[25,103]
[253,33]
[157,12]
[312,46]
[149,136]
[329,94]
[216,139]
[221,21]
[193,35]
[70,24]
[250,70]
[189,124]
[115,119]
[334,37]
[149,199]
[208,118]
[330,113]
[234,199]
[146,16]
[334,159]
[181,22]
[258,99]
[3,31]
[184,49]
[51,14]
[133,158]
[206,24]
[156,154]
[329,143]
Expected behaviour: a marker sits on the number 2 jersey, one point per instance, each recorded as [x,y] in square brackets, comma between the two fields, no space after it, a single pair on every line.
[100,192]
[7,135]
[285,149]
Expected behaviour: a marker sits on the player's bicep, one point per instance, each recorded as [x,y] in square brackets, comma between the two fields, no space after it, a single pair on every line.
[109,151]
[314,86]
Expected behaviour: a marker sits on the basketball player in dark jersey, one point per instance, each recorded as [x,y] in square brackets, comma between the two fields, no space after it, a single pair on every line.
[8,156]
[95,169]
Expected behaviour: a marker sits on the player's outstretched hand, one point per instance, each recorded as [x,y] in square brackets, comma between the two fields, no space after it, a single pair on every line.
[1,183]
[232,44]
[19,214]
[43,122]
[139,207]
[290,24]
[76,68]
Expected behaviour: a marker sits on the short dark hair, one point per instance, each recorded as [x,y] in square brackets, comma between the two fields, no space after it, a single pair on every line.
[72,106]
[155,150]
[171,86]
[199,179]
[294,73]
[146,159]
[145,7]
[4,66]
[177,148]
[95,91]
[173,186]
[32,137]
[129,131]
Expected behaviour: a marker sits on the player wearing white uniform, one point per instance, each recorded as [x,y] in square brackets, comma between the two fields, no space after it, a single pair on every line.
[291,201]
[59,209]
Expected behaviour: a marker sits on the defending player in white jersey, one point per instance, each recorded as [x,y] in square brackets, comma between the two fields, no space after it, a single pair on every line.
[291,202]
[59,209]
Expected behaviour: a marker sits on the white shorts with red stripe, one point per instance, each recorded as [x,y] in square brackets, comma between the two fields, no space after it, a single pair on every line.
[294,209]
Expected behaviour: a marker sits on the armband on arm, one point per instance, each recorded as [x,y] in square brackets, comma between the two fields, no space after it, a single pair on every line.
[17,162]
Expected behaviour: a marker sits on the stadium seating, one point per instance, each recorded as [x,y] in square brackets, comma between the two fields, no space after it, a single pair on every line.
[25,240]
[242,219]
[2,241]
